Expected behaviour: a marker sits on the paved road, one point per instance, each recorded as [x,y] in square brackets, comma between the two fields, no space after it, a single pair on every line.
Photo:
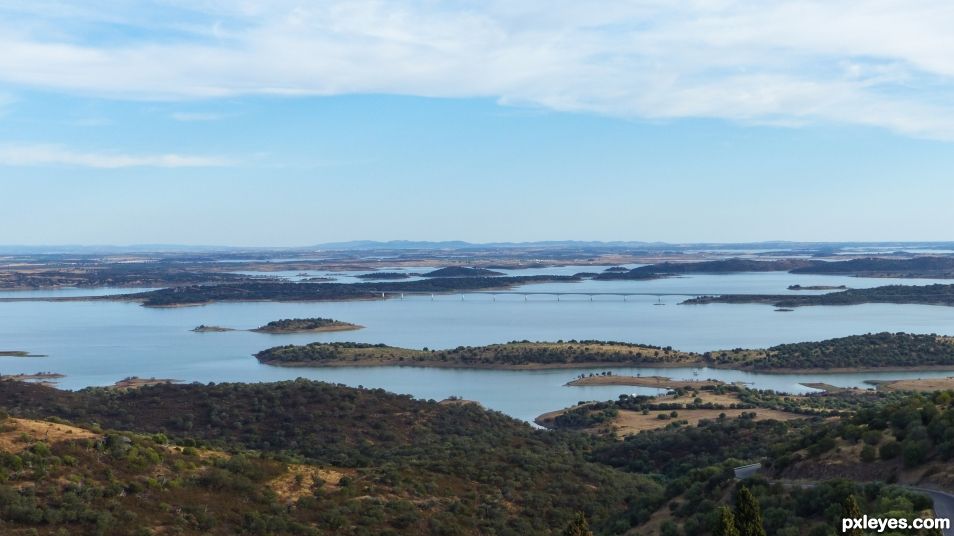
[943,505]
[943,501]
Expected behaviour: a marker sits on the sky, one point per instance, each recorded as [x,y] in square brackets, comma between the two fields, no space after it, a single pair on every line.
[291,123]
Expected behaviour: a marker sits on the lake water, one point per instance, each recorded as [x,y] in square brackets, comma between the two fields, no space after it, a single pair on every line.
[98,343]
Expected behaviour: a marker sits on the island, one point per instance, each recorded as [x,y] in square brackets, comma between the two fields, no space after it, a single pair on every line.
[512,355]
[17,353]
[937,294]
[915,267]
[817,287]
[202,328]
[872,351]
[461,271]
[315,292]
[305,325]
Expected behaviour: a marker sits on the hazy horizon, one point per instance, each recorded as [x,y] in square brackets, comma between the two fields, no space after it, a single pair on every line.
[277,124]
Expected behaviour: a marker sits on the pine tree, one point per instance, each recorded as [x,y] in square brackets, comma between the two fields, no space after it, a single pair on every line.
[578,527]
[851,510]
[748,514]
[725,524]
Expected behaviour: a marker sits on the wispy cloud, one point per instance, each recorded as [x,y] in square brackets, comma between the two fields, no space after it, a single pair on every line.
[54,155]
[885,63]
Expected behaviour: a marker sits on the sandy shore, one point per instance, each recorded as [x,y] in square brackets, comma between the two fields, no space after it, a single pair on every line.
[660,382]
[922,385]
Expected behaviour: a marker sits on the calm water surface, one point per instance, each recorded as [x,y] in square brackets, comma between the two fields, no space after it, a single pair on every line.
[98,343]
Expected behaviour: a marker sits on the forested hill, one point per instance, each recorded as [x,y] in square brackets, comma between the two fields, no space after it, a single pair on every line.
[873,350]
[413,467]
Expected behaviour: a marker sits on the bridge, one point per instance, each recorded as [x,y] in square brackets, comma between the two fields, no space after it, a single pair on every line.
[526,294]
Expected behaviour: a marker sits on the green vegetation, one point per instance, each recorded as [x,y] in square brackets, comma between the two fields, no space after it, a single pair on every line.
[461,271]
[413,467]
[94,274]
[15,353]
[903,294]
[383,275]
[512,354]
[209,459]
[295,325]
[921,267]
[926,267]
[878,350]
[278,291]
[856,351]
[666,269]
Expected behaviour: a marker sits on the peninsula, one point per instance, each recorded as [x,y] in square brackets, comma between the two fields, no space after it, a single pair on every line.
[873,351]
[937,294]
[302,292]
[512,355]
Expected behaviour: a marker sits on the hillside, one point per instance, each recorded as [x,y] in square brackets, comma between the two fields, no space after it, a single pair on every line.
[411,466]
[461,271]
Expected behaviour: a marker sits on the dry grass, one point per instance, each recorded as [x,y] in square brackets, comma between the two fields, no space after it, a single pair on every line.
[633,422]
[18,434]
[926,384]
[299,481]
[660,382]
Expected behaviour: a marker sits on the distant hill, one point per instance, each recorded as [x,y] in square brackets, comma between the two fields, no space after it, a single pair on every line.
[461,271]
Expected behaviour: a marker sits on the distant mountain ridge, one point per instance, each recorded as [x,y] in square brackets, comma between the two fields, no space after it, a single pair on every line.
[371,245]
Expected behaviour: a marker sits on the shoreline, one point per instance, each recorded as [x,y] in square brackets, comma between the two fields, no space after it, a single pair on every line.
[659,382]
[601,365]
[341,327]
[448,365]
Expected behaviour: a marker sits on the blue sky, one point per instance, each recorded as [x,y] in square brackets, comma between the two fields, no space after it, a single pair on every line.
[295,123]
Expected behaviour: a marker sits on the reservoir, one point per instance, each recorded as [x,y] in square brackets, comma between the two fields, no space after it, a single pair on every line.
[98,343]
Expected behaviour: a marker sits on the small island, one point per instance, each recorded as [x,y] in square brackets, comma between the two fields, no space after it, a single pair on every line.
[288,325]
[17,353]
[817,287]
[202,328]
[306,325]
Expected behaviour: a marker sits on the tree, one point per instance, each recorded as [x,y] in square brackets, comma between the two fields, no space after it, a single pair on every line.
[725,524]
[748,514]
[578,527]
[851,510]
